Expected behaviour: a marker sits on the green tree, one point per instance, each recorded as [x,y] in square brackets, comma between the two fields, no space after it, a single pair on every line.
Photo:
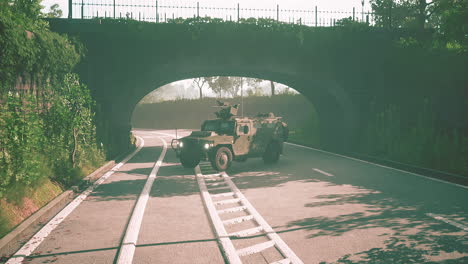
[448,18]
[55,11]
[200,82]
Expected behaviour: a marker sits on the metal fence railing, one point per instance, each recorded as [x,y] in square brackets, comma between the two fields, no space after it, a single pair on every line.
[161,11]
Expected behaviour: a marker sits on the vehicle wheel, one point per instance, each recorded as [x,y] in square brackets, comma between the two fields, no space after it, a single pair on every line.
[222,159]
[189,160]
[272,153]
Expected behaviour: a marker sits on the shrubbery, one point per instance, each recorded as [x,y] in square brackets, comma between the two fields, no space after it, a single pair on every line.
[46,116]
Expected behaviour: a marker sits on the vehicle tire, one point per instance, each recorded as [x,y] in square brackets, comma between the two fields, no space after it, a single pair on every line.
[189,160]
[272,153]
[221,159]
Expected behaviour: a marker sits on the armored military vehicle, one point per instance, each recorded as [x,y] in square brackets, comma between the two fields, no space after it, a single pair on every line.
[233,138]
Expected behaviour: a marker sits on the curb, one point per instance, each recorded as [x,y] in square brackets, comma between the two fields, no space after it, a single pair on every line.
[10,243]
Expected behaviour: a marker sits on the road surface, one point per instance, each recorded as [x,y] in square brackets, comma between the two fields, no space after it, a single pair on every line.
[325,208]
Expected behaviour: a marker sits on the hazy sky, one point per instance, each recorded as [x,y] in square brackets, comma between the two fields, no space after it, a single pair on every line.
[335,5]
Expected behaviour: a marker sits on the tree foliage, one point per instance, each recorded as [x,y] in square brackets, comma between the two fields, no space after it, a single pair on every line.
[229,85]
[55,11]
[46,116]
[448,18]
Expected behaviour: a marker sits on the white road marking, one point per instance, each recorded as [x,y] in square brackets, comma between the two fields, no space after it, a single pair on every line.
[322,172]
[280,245]
[450,222]
[226,243]
[37,239]
[412,173]
[131,235]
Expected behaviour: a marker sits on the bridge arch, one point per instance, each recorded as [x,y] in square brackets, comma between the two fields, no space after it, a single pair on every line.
[124,62]
[336,111]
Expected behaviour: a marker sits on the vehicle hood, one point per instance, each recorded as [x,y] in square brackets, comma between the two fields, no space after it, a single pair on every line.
[208,136]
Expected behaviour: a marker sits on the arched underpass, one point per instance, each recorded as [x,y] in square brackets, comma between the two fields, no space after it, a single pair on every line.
[341,71]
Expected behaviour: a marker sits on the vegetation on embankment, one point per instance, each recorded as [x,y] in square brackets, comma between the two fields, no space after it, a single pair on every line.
[416,138]
[47,132]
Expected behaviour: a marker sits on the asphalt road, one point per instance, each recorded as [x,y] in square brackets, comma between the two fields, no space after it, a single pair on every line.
[326,208]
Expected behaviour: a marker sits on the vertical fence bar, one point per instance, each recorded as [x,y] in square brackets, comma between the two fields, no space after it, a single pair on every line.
[198,9]
[82,9]
[316,16]
[238,12]
[114,9]
[157,15]
[277,13]
[362,10]
[354,10]
[390,16]
[70,9]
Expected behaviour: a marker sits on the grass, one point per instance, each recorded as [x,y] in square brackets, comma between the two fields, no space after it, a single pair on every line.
[20,202]
[13,212]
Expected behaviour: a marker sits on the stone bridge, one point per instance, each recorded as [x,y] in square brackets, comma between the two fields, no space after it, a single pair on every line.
[340,70]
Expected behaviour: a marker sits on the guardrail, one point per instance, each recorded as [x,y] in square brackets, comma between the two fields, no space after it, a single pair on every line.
[160,12]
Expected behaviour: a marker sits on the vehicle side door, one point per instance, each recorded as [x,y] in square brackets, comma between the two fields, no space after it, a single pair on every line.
[242,139]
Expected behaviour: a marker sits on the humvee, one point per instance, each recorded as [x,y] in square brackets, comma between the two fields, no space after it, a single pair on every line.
[233,138]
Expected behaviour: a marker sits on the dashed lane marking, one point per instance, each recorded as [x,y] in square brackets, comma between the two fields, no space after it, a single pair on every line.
[412,173]
[447,221]
[323,172]
[40,236]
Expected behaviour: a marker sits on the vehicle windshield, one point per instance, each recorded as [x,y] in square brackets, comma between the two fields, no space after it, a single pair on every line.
[219,126]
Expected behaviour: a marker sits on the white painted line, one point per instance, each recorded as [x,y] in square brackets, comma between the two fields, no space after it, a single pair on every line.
[280,245]
[368,162]
[222,195]
[255,248]
[238,220]
[247,232]
[232,210]
[283,261]
[323,172]
[131,235]
[226,243]
[227,201]
[37,239]
[450,222]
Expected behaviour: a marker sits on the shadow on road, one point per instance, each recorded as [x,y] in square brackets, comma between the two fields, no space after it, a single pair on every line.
[146,154]
[391,204]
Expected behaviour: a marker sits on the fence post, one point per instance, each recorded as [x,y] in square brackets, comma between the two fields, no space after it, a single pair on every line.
[367,19]
[198,9]
[354,14]
[70,9]
[315,16]
[238,12]
[390,15]
[277,12]
[157,15]
[362,10]
[82,9]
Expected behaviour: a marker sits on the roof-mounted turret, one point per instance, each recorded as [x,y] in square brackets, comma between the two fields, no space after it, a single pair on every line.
[226,111]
